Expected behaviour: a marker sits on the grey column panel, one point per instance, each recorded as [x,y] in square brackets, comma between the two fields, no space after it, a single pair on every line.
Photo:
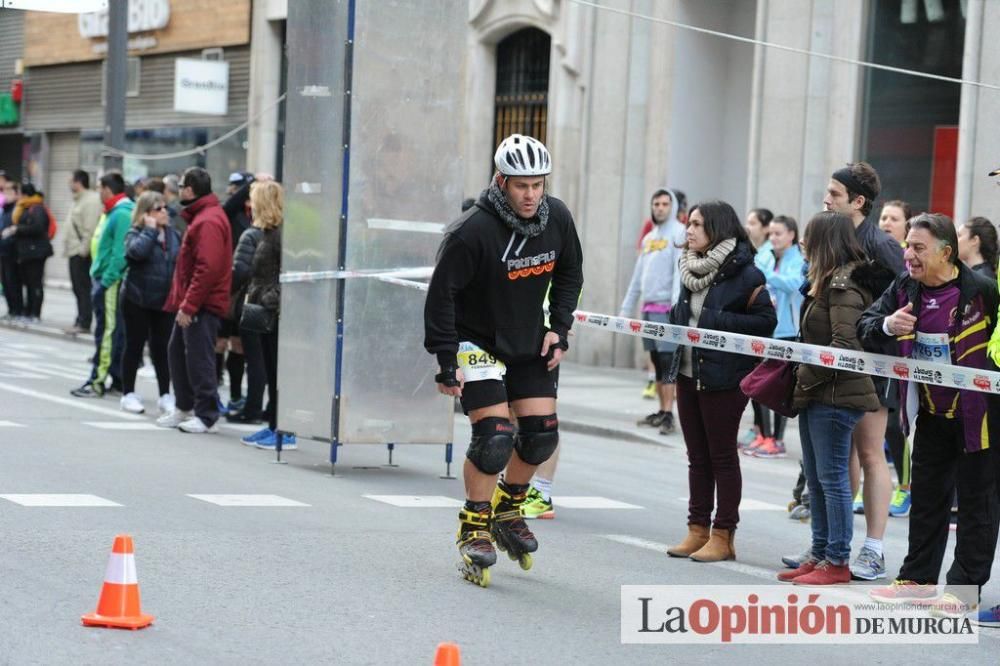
[405,166]
[313,181]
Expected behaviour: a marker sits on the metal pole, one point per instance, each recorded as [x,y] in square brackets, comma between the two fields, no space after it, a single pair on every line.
[116,81]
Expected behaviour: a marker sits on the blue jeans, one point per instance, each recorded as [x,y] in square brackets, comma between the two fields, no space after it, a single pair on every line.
[826,447]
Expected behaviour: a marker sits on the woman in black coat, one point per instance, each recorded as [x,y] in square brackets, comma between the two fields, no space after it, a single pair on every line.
[33,247]
[721,290]
[151,249]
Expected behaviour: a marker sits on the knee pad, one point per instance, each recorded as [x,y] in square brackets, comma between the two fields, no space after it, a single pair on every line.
[664,361]
[491,446]
[537,438]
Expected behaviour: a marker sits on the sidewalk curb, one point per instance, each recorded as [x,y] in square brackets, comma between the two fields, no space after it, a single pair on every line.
[610,432]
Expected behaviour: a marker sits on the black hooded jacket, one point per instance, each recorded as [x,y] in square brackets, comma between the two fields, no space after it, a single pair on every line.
[730,305]
[489,285]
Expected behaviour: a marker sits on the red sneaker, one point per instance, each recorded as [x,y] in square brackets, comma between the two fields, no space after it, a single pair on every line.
[825,574]
[806,567]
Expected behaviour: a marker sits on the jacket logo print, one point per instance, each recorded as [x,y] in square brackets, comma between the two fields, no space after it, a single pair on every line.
[531,266]
[655,245]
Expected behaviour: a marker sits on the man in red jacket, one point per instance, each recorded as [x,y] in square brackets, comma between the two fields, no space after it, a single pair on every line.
[200,297]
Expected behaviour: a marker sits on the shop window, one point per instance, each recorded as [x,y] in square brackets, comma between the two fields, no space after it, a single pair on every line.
[132,68]
[909,123]
[522,90]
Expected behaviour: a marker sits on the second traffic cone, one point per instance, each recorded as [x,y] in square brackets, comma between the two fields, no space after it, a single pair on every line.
[447,655]
[119,605]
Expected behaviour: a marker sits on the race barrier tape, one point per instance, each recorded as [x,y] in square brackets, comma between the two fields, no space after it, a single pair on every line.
[317,276]
[876,365]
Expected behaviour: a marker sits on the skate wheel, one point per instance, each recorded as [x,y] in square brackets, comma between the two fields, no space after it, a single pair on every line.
[525,561]
[512,556]
[484,579]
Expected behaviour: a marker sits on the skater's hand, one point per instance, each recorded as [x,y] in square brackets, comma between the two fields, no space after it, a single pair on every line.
[901,322]
[455,391]
[551,343]
[183,320]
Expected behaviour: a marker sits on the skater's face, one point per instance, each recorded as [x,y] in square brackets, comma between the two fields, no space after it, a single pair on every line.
[697,239]
[524,194]
[661,209]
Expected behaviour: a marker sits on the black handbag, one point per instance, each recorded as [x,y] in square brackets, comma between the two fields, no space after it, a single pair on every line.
[258,319]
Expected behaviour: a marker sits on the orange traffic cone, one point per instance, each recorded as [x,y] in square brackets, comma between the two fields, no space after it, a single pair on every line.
[119,602]
[447,655]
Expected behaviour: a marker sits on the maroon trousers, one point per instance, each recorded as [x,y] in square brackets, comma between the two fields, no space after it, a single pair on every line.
[710,421]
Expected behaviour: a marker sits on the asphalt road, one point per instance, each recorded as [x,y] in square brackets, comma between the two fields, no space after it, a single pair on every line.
[337,576]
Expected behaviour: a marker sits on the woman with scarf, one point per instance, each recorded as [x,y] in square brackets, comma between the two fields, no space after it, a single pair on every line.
[722,290]
[31,234]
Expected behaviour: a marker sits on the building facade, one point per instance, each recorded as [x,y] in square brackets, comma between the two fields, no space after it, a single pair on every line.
[633,104]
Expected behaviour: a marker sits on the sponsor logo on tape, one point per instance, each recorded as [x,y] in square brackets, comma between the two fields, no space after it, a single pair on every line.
[739,345]
[958,379]
[855,364]
[758,347]
[636,326]
[581,317]
[694,336]
[651,328]
[827,358]
[712,340]
[880,367]
[598,320]
[927,375]
[676,334]
[979,381]
[901,370]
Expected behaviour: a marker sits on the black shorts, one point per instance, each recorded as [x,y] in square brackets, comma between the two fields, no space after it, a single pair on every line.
[527,380]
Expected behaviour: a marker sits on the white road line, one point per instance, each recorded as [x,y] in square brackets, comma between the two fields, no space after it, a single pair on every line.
[117,425]
[49,369]
[568,502]
[239,427]
[62,499]
[247,500]
[747,504]
[417,501]
[11,424]
[78,403]
[745,569]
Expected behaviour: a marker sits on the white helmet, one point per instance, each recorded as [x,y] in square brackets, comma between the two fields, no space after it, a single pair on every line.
[520,155]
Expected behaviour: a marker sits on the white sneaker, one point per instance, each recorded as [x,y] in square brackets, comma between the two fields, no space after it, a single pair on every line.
[166,403]
[173,419]
[132,402]
[196,425]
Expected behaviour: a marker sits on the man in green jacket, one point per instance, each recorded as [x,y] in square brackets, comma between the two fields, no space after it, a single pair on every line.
[106,274]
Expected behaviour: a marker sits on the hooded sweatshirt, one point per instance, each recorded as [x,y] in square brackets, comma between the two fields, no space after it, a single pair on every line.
[656,277]
[490,283]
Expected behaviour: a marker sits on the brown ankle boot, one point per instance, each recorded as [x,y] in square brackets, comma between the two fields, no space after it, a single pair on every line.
[697,537]
[719,547]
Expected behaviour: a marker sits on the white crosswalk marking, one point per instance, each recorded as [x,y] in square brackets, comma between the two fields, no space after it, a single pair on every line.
[568,502]
[11,424]
[745,569]
[417,501]
[747,504]
[58,499]
[86,404]
[118,425]
[247,500]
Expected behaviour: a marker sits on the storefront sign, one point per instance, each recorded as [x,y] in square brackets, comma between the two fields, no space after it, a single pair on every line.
[143,16]
[201,86]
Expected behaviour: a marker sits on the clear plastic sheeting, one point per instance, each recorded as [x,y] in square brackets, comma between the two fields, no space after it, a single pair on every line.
[313,176]
[405,180]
